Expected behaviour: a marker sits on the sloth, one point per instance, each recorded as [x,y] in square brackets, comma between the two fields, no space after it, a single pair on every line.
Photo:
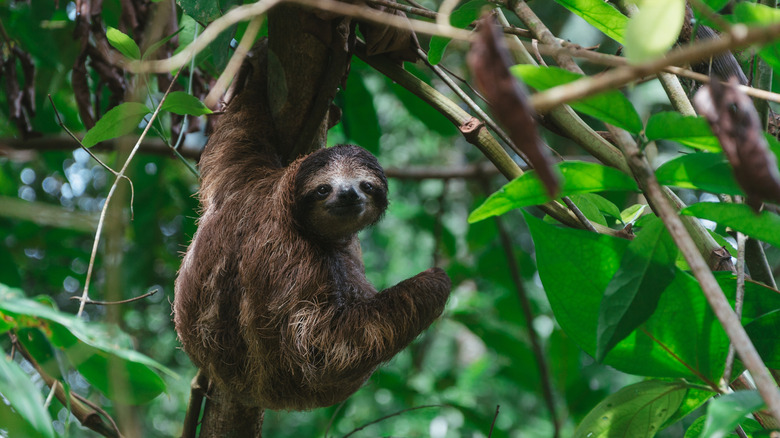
[271,301]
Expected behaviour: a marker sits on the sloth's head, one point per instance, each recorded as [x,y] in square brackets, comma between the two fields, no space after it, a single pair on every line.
[338,192]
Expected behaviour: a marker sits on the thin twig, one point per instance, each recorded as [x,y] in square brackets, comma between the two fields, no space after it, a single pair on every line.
[99,409]
[536,344]
[422,12]
[94,157]
[85,293]
[49,397]
[427,13]
[186,120]
[109,303]
[738,301]
[173,149]
[333,417]
[392,415]
[495,417]
[577,212]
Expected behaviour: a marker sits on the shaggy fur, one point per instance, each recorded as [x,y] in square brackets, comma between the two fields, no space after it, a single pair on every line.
[271,300]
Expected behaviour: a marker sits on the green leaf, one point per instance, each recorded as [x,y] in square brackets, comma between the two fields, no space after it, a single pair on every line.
[636,411]
[599,15]
[691,131]
[763,332]
[359,120]
[577,178]
[716,5]
[6,325]
[699,171]
[102,369]
[460,17]
[96,350]
[120,120]
[694,398]
[179,102]
[17,388]
[610,107]
[654,29]
[696,428]
[753,14]
[201,10]
[603,204]
[762,300]
[631,214]
[763,226]
[681,339]
[727,411]
[589,209]
[220,49]
[123,43]
[646,269]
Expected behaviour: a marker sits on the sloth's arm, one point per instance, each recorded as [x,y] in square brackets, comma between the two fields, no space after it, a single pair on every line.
[383,325]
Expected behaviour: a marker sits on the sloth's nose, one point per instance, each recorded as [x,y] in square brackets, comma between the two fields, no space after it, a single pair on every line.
[348,194]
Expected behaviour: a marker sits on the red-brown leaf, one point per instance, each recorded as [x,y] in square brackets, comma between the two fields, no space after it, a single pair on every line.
[489,62]
[735,122]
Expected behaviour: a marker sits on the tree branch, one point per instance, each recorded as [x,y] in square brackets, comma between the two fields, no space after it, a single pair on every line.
[740,36]
[712,291]
[86,415]
[9,146]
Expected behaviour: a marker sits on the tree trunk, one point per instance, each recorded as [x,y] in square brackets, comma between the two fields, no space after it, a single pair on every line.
[225,417]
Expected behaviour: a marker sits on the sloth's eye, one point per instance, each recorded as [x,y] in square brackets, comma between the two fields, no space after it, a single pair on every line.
[366,187]
[323,190]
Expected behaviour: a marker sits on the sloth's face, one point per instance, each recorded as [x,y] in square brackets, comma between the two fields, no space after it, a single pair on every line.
[347,193]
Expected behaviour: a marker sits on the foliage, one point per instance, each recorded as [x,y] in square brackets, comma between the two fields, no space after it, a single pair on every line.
[634,306]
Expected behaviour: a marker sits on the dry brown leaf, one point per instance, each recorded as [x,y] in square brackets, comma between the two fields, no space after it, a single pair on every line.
[735,122]
[380,38]
[489,62]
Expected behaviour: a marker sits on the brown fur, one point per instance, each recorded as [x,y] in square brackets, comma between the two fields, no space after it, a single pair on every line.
[269,303]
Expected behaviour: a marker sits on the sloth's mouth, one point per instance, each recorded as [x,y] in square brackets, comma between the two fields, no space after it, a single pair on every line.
[346,209]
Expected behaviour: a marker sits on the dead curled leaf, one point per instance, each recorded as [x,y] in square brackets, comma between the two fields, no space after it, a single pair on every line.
[735,122]
[489,62]
[380,38]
